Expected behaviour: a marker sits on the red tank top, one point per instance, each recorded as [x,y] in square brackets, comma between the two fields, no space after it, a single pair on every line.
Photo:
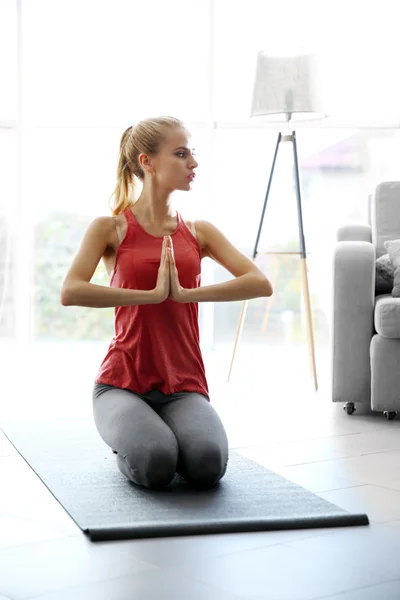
[155,346]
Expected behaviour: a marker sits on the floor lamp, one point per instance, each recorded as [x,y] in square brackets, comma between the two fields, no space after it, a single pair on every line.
[285,86]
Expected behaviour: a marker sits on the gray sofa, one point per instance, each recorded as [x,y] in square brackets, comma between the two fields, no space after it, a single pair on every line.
[365,340]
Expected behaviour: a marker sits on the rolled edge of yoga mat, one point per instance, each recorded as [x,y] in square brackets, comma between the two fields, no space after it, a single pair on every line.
[245,525]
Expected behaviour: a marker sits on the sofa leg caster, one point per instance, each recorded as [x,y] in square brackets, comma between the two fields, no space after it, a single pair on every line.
[389,414]
[349,407]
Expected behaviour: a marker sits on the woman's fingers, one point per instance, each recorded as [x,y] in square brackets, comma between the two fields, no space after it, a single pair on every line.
[171,246]
[165,249]
[165,252]
[168,249]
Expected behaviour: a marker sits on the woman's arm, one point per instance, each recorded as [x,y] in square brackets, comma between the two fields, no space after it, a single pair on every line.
[77,289]
[249,282]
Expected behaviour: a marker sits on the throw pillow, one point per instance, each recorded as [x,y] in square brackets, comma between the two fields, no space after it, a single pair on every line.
[385,268]
[393,248]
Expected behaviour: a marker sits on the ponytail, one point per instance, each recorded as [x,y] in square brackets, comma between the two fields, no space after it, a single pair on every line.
[125,186]
[146,137]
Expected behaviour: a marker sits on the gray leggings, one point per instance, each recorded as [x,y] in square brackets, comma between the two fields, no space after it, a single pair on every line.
[157,435]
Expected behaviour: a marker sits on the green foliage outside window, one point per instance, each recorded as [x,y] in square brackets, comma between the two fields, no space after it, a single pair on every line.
[57,240]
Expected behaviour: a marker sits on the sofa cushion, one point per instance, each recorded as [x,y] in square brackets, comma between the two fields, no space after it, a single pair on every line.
[385,214]
[387,316]
[384,267]
[384,275]
[393,248]
[382,286]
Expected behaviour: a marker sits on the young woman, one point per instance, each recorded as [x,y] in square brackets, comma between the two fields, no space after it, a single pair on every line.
[151,402]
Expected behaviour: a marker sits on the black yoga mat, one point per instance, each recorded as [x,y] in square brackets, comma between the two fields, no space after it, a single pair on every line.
[80,470]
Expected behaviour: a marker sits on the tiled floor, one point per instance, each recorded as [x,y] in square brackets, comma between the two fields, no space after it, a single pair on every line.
[353,461]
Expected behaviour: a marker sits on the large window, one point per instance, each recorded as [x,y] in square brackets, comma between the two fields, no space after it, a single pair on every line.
[8,62]
[8,165]
[76,73]
[8,231]
[114,62]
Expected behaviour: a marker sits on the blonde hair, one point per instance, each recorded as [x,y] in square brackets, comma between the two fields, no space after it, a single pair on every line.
[146,137]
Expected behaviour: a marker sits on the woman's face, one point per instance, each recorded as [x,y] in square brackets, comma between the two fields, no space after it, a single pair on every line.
[176,161]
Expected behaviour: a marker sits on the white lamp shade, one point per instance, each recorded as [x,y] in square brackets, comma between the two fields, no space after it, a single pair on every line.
[286,87]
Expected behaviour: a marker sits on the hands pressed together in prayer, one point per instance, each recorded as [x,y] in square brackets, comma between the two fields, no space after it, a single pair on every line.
[168,285]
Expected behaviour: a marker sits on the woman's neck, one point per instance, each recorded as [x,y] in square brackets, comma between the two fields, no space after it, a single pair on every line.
[154,211]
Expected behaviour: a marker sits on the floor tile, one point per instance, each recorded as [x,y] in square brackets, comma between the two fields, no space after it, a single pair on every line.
[375,469]
[379,503]
[384,591]
[314,478]
[278,573]
[147,585]
[369,442]
[186,550]
[295,453]
[375,549]
[24,495]
[53,565]
[256,425]
[368,468]
[393,524]
[391,484]
[16,531]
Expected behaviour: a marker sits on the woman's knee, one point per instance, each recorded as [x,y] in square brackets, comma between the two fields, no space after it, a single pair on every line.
[207,465]
[154,465]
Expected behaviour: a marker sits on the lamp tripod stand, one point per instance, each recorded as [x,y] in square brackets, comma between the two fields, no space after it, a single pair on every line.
[302,253]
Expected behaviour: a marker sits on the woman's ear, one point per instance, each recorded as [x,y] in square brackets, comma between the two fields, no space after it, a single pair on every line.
[145,163]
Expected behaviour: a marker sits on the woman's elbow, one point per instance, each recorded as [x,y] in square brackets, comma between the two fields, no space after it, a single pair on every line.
[66,295]
[266,287]
[269,288]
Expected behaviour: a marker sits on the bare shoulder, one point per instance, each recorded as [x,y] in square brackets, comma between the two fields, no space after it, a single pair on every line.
[107,228]
[101,224]
[94,244]
[207,234]
[206,231]
[192,225]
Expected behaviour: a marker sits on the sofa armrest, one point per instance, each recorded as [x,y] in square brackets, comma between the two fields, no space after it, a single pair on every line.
[352,321]
[354,233]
